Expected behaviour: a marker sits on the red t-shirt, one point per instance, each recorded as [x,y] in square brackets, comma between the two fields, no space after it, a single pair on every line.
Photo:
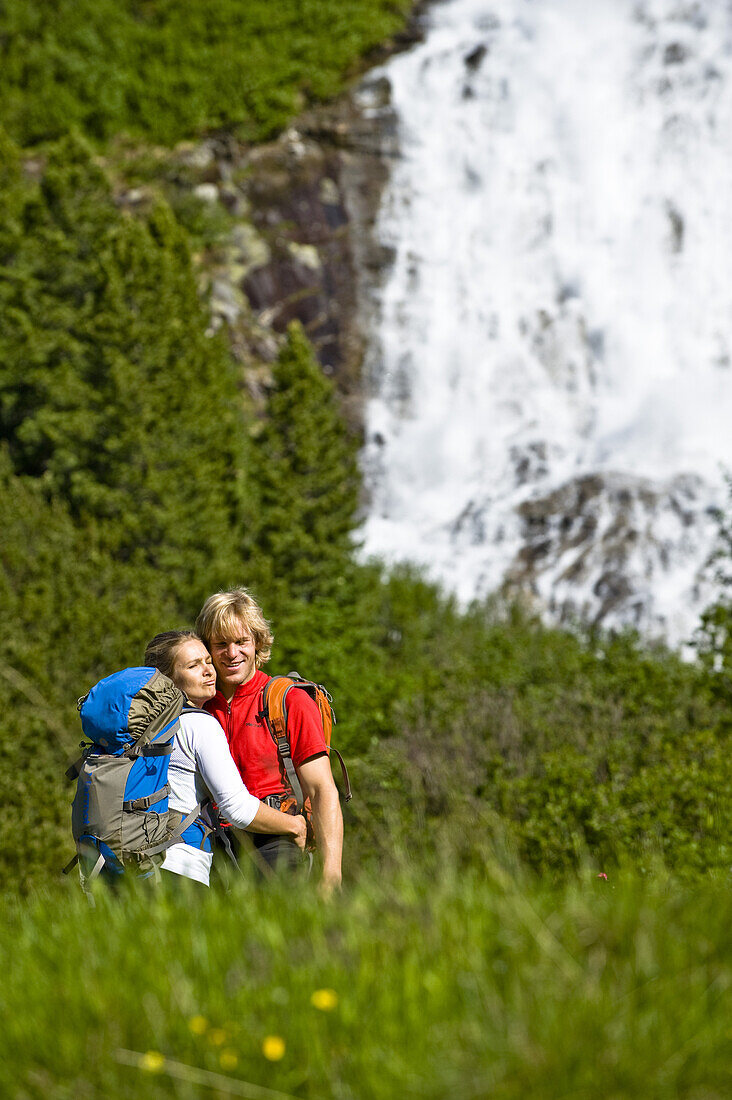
[250,742]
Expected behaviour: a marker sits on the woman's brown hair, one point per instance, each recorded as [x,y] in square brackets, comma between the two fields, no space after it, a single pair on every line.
[160,651]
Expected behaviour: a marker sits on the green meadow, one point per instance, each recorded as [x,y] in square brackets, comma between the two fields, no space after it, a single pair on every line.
[485,982]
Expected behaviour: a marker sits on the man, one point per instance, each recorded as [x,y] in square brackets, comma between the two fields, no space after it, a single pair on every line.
[238,638]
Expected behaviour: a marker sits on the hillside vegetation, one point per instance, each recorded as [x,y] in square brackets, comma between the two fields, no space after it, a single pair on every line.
[137,477]
[165,70]
[537,854]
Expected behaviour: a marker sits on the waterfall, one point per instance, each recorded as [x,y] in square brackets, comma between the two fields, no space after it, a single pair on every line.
[548,374]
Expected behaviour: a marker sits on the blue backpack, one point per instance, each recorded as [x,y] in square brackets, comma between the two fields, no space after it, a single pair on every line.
[120,816]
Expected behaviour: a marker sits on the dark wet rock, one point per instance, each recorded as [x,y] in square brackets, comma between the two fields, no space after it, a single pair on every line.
[475,58]
[604,534]
[530,462]
[674,54]
[676,226]
[470,525]
[301,209]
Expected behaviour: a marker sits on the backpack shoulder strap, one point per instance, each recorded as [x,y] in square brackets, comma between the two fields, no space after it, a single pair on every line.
[274,713]
[74,770]
[322,699]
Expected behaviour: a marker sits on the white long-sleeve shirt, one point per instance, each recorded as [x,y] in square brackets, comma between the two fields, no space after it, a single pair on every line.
[201,767]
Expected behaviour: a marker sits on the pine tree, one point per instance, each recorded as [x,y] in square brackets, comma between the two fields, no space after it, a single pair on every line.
[305,481]
[713,638]
[301,548]
[120,472]
[112,396]
[71,614]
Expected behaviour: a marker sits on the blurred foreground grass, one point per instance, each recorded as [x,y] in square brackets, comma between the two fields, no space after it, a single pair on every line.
[474,984]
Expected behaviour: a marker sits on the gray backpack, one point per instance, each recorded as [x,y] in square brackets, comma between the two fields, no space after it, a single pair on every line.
[120,816]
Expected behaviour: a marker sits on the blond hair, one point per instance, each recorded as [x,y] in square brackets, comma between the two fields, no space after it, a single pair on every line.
[225,613]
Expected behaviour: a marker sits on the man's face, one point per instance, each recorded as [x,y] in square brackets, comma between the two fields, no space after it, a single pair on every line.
[234,659]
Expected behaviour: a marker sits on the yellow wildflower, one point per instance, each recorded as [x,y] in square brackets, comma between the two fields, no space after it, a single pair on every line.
[153,1061]
[198,1025]
[217,1037]
[324,999]
[273,1048]
[229,1059]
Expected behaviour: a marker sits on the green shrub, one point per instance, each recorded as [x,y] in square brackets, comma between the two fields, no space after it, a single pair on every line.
[165,70]
[121,468]
[71,615]
[112,396]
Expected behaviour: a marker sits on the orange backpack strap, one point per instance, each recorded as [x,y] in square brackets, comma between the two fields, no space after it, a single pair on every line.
[274,713]
[324,702]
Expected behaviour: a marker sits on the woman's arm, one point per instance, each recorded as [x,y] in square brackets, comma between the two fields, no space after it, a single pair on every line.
[269,820]
[221,776]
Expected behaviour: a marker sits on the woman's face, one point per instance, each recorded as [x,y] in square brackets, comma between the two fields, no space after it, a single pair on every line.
[193,671]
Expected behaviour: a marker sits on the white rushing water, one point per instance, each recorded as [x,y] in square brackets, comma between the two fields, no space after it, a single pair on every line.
[551,388]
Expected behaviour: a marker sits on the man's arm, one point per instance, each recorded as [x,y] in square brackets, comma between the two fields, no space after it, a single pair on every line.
[318,785]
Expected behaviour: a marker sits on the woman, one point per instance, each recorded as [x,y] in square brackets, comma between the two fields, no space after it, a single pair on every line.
[201,766]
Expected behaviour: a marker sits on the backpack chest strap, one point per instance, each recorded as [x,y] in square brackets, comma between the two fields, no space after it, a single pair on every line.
[147,801]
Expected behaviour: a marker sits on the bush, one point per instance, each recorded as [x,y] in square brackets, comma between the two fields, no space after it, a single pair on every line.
[165,70]
[112,396]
